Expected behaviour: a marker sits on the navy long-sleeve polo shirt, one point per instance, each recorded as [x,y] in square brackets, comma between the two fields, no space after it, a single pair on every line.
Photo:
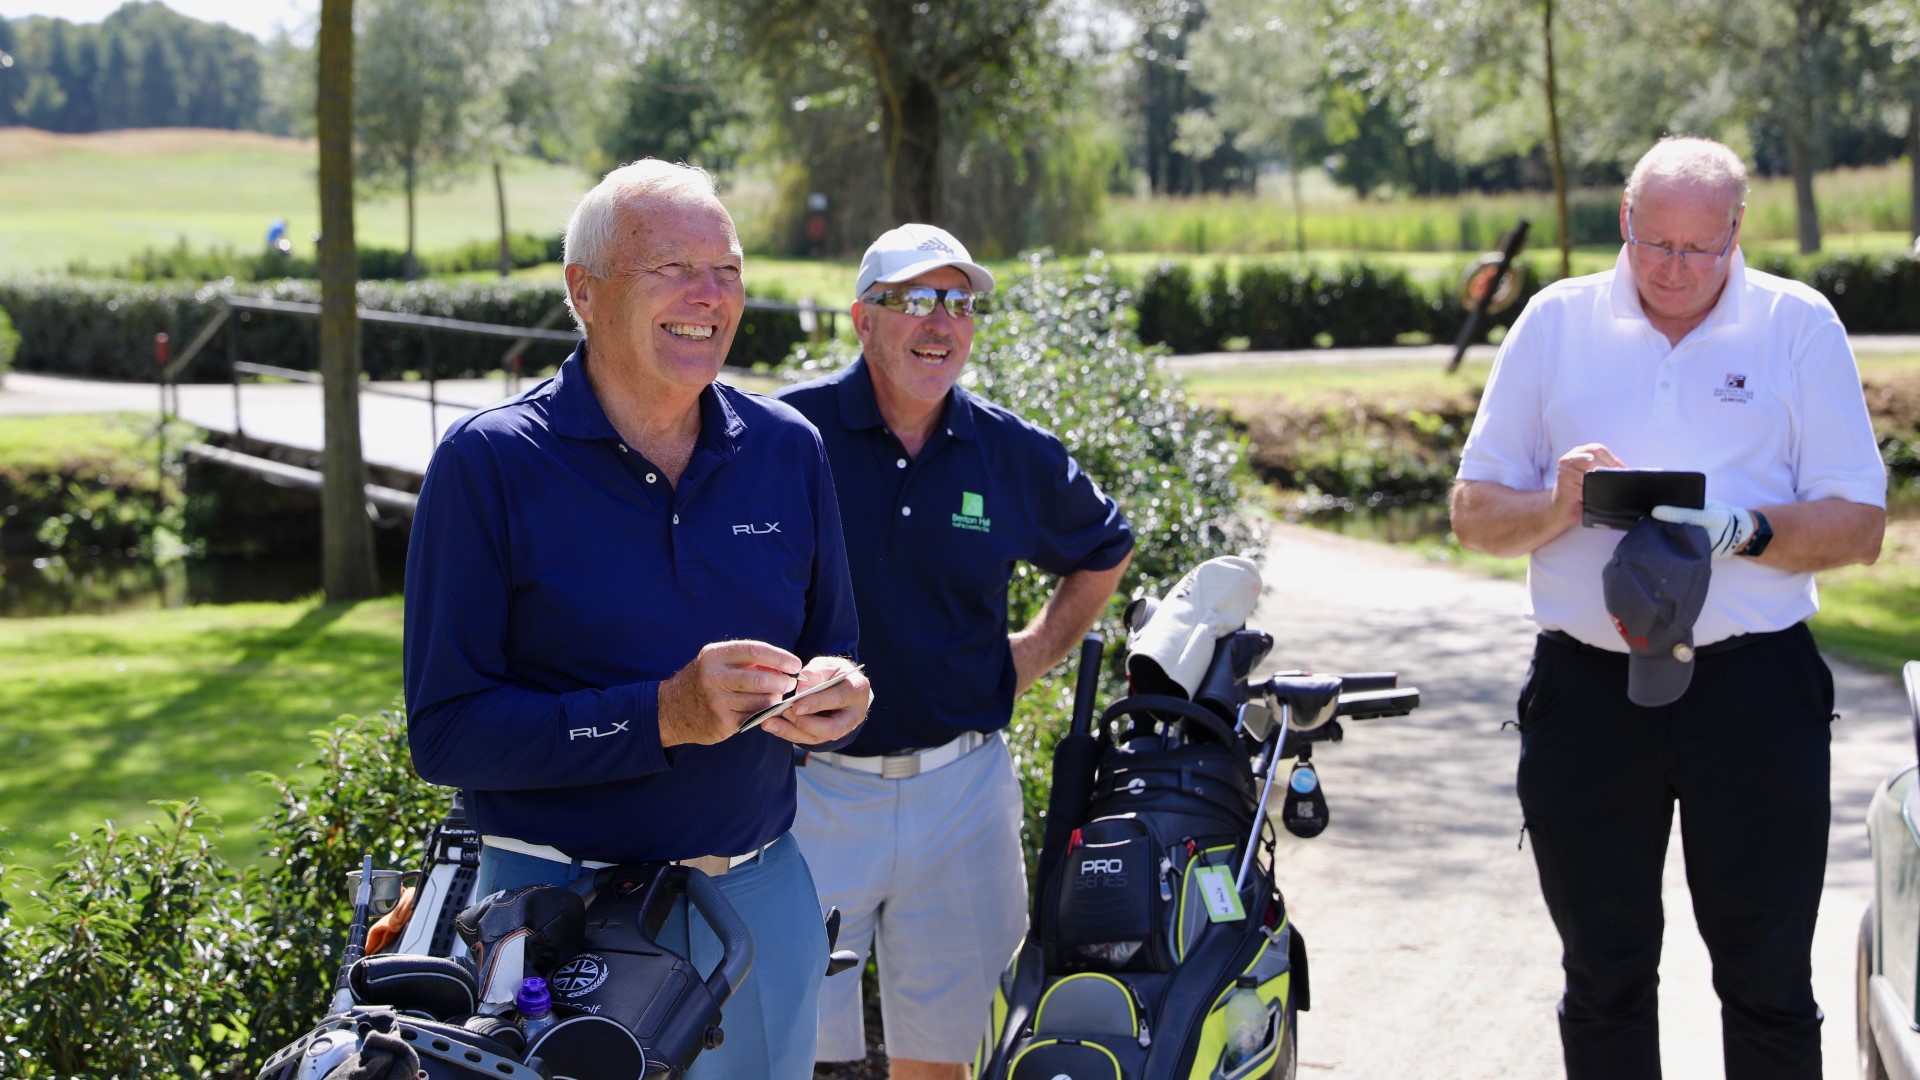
[934,540]
[555,579]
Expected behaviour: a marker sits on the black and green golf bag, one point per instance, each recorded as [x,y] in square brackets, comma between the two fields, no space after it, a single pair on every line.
[1147,910]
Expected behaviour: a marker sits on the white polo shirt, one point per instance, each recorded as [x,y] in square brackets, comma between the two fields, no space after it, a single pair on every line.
[1763,397]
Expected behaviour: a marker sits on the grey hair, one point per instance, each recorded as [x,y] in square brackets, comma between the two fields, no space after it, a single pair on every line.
[593,230]
[1695,160]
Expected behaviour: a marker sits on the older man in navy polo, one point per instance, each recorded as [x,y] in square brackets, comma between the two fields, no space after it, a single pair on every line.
[913,829]
[595,604]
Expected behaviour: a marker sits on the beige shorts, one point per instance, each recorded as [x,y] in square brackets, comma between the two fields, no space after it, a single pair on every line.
[927,872]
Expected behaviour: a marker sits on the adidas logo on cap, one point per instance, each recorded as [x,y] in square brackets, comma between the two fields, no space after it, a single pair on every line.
[934,243]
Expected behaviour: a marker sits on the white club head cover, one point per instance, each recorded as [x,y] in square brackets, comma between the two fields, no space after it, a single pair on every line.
[1176,642]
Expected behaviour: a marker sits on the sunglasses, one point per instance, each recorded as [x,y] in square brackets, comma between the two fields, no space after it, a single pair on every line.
[919,301]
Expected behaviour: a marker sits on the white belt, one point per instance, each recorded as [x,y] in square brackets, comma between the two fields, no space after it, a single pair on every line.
[711,865]
[907,762]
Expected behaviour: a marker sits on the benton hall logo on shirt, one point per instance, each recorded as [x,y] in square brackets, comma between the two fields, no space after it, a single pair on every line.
[973,513]
[1734,389]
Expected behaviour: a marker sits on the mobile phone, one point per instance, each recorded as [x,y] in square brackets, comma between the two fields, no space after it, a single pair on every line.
[1618,498]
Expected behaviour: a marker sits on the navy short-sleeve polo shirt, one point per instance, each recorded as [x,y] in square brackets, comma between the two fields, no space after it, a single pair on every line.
[555,579]
[933,541]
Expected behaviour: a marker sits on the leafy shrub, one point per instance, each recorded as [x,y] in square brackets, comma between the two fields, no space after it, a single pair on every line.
[156,958]
[105,329]
[1060,351]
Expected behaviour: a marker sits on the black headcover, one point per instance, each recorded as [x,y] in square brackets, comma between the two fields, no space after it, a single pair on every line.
[516,933]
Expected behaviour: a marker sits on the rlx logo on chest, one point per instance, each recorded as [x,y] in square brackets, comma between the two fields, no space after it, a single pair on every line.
[756,530]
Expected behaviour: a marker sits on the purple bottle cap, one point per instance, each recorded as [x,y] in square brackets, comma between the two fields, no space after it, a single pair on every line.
[532,998]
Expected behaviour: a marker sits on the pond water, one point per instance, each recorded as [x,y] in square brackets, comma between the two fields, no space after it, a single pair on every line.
[34,587]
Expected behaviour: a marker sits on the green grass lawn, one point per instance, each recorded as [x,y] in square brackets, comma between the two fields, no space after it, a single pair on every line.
[105,197]
[104,713]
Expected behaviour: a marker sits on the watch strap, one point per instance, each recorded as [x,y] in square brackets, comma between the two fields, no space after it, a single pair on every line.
[1762,536]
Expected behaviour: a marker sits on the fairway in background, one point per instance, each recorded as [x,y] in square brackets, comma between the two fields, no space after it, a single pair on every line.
[108,196]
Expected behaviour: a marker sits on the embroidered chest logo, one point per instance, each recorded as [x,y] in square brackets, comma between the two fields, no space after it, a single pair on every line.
[1734,390]
[756,530]
[973,513]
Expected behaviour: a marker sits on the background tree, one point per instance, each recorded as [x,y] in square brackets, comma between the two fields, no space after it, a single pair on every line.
[13,78]
[935,70]
[422,82]
[1894,26]
[346,537]
[1791,64]
[1262,64]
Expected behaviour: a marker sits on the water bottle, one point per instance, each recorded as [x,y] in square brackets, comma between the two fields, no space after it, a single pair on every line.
[535,1007]
[1246,1017]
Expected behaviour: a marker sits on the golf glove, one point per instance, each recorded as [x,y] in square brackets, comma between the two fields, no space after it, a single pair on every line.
[1728,527]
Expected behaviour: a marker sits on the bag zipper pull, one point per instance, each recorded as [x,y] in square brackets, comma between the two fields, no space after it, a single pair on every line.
[1166,877]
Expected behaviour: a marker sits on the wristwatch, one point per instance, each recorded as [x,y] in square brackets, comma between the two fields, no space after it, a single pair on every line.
[1762,536]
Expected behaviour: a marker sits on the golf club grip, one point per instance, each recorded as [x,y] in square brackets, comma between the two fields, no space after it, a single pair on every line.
[736,945]
[1086,683]
[1372,704]
[1359,681]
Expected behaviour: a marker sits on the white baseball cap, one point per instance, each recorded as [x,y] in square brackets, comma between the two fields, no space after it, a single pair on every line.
[912,250]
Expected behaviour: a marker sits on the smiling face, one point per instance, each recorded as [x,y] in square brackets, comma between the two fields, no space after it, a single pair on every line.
[666,312]
[1683,216]
[914,361]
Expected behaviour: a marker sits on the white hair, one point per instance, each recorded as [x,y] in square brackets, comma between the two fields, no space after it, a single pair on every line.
[1692,160]
[593,230]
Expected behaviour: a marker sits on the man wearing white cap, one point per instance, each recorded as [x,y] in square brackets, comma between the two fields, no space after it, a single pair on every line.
[913,829]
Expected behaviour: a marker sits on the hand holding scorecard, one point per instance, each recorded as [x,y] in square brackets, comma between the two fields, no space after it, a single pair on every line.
[1617,498]
[787,702]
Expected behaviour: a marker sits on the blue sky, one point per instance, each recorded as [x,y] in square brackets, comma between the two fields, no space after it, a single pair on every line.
[257,17]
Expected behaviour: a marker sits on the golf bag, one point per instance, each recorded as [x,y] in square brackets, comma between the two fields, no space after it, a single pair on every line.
[1140,932]
[623,1006]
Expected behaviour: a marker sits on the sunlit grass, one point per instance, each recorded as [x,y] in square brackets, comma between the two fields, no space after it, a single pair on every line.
[105,713]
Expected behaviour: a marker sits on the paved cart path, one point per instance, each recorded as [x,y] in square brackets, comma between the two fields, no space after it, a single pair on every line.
[1432,953]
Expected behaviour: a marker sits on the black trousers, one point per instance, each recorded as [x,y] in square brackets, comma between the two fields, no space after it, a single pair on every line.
[1745,754]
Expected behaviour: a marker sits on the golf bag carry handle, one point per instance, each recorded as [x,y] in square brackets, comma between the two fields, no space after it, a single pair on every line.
[1086,683]
[736,945]
[1161,703]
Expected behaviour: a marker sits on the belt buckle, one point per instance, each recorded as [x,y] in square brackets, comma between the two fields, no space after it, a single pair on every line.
[899,766]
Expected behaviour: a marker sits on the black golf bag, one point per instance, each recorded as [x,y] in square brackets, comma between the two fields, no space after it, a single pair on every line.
[624,1007]
[1130,960]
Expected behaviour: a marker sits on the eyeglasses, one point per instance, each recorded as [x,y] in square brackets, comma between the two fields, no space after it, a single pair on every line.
[1691,260]
[919,301]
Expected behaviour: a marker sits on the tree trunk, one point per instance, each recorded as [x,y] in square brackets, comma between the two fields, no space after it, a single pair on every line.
[500,199]
[913,166]
[1807,213]
[1913,166]
[346,537]
[1553,140]
[409,267]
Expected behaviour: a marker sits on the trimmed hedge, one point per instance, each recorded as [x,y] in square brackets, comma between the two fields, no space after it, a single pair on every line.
[105,329]
[1277,306]
[181,263]
[1872,294]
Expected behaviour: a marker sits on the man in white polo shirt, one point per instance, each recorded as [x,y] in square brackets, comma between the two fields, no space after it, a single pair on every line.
[1679,358]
